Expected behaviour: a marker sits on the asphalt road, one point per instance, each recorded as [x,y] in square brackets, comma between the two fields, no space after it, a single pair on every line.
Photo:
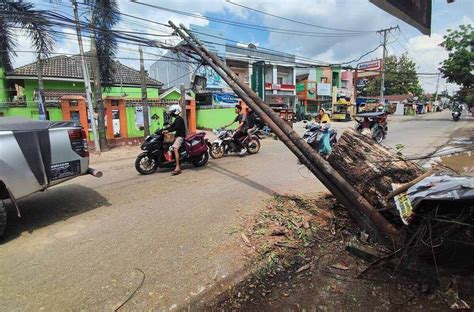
[87,244]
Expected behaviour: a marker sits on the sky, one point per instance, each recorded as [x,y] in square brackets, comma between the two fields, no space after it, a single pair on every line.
[340,14]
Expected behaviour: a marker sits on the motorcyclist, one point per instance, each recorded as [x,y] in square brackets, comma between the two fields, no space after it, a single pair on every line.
[323,118]
[251,123]
[241,130]
[178,126]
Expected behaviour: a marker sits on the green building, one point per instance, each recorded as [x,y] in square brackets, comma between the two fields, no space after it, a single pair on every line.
[63,85]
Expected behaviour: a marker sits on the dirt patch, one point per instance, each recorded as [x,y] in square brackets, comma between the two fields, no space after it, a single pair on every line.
[298,247]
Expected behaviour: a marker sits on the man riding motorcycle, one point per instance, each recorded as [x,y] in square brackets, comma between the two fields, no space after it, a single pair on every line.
[241,130]
[178,126]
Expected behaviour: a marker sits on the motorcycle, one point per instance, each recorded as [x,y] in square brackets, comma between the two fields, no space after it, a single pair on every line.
[226,144]
[158,152]
[456,115]
[314,134]
[378,125]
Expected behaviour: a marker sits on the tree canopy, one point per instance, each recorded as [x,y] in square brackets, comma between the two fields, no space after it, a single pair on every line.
[400,78]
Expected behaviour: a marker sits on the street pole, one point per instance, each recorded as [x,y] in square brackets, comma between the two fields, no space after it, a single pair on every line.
[146,120]
[85,74]
[182,103]
[359,207]
[382,81]
[437,85]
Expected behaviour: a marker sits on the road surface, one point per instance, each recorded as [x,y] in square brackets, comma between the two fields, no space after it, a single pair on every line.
[88,244]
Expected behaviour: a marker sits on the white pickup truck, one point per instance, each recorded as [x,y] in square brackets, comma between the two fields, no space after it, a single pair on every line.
[35,155]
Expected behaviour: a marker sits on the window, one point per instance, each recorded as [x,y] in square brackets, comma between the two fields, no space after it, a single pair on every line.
[114,103]
[324,79]
[344,84]
[280,80]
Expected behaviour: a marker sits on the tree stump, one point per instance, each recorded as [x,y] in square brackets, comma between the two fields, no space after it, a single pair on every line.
[371,169]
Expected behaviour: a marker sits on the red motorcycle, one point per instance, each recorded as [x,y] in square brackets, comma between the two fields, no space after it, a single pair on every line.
[158,152]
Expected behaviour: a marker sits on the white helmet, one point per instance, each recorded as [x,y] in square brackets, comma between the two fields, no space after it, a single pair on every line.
[174,110]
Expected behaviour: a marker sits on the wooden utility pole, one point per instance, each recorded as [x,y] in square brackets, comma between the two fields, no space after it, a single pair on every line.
[85,75]
[357,206]
[437,86]
[182,103]
[99,102]
[146,120]
[382,81]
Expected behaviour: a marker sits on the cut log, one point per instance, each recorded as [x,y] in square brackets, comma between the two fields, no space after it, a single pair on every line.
[371,168]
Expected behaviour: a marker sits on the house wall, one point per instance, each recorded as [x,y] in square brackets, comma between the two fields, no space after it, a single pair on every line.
[215,118]
[133,131]
[4,93]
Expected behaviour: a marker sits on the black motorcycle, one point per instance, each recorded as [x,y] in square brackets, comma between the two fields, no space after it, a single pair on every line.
[226,143]
[158,152]
[314,134]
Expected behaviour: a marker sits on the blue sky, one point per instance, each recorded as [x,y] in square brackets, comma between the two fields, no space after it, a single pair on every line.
[346,14]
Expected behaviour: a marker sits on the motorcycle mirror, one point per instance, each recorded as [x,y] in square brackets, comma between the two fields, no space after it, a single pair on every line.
[305,121]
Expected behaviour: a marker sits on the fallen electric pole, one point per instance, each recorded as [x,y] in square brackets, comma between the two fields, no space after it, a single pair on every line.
[359,208]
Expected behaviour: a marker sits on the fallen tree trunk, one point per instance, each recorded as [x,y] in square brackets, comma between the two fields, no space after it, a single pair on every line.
[371,168]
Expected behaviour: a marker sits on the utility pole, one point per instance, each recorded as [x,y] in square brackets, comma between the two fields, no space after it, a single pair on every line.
[182,103]
[87,81]
[40,96]
[146,120]
[382,82]
[437,85]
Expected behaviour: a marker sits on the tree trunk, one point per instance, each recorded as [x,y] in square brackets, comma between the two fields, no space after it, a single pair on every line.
[371,169]
[40,96]
[99,102]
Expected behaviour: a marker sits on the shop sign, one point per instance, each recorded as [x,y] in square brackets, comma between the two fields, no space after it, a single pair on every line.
[324,89]
[258,79]
[369,69]
[225,99]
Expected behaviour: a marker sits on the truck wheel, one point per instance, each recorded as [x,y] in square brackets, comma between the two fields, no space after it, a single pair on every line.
[3,217]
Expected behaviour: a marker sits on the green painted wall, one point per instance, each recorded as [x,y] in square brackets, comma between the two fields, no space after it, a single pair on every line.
[215,118]
[132,92]
[4,93]
[173,96]
[133,131]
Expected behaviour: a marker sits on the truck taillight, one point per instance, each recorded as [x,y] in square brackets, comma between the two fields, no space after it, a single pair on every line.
[78,139]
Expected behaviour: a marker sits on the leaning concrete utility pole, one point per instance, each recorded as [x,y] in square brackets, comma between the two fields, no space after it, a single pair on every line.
[146,120]
[357,206]
[384,55]
[85,75]
[437,86]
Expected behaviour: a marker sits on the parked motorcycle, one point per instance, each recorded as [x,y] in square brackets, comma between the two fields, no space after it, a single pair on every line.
[226,143]
[158,152]
[314,134]
[456,115]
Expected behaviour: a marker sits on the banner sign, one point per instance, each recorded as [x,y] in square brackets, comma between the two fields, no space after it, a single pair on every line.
[258,79]
[225,99]
[324,89]
[369,69]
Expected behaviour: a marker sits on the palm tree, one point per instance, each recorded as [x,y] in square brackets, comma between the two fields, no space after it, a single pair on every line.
[22,15]
[105,14]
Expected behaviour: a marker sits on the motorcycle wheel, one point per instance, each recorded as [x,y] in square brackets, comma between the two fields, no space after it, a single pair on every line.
[378,137]
[253,146]
[146,164]
[217,151]
[201,160]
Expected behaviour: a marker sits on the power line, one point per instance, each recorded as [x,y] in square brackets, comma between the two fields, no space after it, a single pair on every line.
[298,22]
[293,32]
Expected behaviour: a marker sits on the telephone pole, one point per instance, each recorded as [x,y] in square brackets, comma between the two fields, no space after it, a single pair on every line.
[85,75]
[146,120]
[382,82]
[182,103]
[437,85]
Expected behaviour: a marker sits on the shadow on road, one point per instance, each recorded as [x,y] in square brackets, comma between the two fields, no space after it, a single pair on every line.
[242,179]
[51,206]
